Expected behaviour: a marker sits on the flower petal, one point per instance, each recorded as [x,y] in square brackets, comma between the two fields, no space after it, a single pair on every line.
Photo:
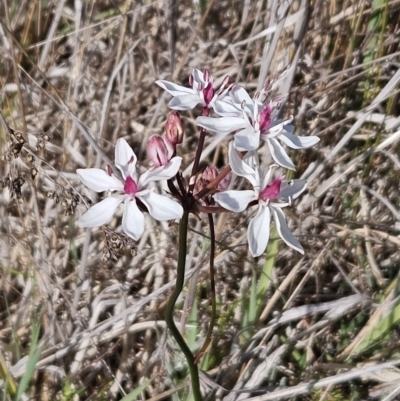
[198,77]
[174,89]
[161,173]
[292,189]
[100,213]
[279,154]
[226,109]
[160,207]
[298,142]
[284,232]
[223,125]
[133,220]
[125,158]
[239,94]
[240,168]
[258,231]
[185,102]
[247,139]
[98,180]
[235,201]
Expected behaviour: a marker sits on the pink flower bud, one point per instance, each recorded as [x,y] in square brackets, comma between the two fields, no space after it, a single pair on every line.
[209,174]
[224,183]
[160,150]
[174,128]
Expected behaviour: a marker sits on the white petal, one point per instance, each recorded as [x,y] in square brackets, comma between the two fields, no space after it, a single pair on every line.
[133,220]
[258,231]
[284,232]
[279,154]
[198,77]
[226,109]
[292,189]
[174,89]
[240,168]
[251,158]
[267,178]
[100,213]
[247,139]
[160,207]
[239,94]
[125,158]
[185,102]
[223,125]
[161,173]
[98,180]
[235,201]
[298,142]
[276,129]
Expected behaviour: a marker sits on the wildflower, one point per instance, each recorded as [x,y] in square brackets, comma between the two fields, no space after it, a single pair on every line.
[272,196]
[129,190]
[254,121]
[201,93]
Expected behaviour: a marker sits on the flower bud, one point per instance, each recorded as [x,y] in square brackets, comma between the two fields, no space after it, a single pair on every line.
[209,174]
[160,150]
[174,128]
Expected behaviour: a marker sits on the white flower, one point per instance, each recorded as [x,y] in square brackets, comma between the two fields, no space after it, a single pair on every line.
[129,190]
[201,93]
[266,192]
[254,121]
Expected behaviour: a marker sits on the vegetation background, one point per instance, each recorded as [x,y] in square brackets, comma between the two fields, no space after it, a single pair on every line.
[81,311]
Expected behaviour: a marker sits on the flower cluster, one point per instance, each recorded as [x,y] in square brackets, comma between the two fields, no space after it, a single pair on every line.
[251,121]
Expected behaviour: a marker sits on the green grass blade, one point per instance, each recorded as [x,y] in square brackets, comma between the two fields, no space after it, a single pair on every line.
[30,370]
[34,355]
[265,279]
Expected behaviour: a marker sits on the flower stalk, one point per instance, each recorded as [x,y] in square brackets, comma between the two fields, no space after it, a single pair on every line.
[169,313]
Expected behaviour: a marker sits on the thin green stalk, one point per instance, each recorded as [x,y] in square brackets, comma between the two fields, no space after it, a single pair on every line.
[213,295]
[169,314]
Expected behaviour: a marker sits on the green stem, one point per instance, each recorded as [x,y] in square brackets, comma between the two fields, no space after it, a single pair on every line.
[169,314]
[207,341]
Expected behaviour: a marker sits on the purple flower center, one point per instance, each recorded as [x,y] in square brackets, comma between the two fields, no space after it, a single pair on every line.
[265,119]
[208,93]
[271,191]
[130,186]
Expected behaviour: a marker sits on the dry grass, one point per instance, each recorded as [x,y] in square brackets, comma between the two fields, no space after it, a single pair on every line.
[74,77]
